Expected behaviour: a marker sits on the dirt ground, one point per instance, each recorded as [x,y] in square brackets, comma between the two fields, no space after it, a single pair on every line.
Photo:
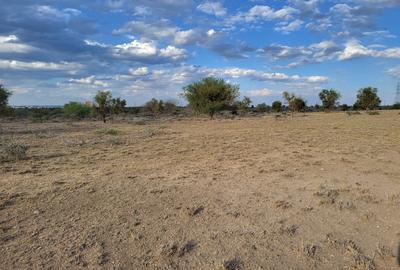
[320,191]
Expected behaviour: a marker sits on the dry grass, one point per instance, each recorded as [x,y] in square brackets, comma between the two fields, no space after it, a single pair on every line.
[252,193]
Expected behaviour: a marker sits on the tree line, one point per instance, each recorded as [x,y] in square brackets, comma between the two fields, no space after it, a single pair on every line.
[208,96]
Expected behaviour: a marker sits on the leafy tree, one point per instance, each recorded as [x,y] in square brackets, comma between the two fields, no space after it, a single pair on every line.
[289,98]
[329,98]
[344,107]
[299,104]
[210,95]
[277,106]
[243,105]
[118,105]
[263,108]
[76,110]
[4,95]
[155,106]
[396,106]
[103,103]
[367,98]
[294,103]
[170,106]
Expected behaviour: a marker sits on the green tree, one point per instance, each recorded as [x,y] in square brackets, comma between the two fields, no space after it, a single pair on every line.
[4,96]
[277,106]
[155,106]
[243,105]
[367,98]
[396,106]
[289,97]
[329,98]
[299,104]
[170,106]
[263,108]
[76,110]
[117,105]
[210,95]
[103,103]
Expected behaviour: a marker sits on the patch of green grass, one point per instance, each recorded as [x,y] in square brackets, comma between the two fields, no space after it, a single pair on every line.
[108,131]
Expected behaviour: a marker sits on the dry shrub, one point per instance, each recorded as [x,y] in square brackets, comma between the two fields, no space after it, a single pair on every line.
[13,151]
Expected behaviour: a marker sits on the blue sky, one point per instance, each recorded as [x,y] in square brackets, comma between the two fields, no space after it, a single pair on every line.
[53,52]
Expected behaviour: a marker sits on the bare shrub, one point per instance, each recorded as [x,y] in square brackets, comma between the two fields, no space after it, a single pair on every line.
[13,151]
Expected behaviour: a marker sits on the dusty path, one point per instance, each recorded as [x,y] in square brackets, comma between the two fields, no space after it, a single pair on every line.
[315,192]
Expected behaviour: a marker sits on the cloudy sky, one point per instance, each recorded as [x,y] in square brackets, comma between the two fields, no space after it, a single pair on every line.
[52,52]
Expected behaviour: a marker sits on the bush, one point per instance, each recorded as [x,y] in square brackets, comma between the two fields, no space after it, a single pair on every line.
[277,106]
[4,96]
[155,106]
[374,113]
[13,151]
[367,99]
[108,131]
[76,110]
[329,98]
[262,108]
[210,95]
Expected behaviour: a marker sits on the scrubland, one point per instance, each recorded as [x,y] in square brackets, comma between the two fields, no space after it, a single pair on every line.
[316,191]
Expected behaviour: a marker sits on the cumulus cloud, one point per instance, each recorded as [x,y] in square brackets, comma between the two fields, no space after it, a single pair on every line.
[141,71]
[355,49]
[11,44]
[213,8]
[314,53]
[287,27]
[263,13]
[142,50]
[91,80]
[35,65]
[260,92]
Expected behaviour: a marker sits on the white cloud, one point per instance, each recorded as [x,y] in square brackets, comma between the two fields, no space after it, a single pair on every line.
[137,48]
[264,13]
[141,71]
[263,76]
[379,34]
[286,27]
[260,93]
[173,53]
[11,44]
[355,49]
[213,8]
[37,65]
[55,14]
[91,80]
[395,72]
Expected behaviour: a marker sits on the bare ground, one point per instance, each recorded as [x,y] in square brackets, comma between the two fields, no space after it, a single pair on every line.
[314,192]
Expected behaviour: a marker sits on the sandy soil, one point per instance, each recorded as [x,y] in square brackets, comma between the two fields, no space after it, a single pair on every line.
[314,192]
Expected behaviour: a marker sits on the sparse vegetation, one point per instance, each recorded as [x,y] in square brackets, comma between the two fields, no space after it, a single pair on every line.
[155,106]
[77,110]
[13,151]
[108,131]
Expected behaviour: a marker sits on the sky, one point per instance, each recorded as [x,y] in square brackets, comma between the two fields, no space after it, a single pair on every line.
[53,52]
